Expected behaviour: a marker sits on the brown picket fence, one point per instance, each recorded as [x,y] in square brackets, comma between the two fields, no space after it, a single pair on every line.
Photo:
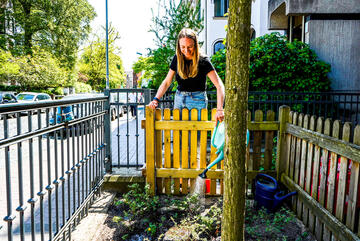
[320,160]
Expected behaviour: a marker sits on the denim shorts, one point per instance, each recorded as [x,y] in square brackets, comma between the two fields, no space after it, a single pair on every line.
[191,100]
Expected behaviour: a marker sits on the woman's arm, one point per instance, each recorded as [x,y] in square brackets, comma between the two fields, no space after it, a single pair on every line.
[162,88]
[220,94]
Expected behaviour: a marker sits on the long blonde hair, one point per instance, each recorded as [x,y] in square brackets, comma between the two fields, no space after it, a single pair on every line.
[185,71]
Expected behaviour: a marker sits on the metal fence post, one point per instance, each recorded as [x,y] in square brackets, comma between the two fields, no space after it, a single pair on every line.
[147,97]
[107,134]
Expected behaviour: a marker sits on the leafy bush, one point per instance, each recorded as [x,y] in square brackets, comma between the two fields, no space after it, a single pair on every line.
[219,62]
[278,65]
[15,88]
[58,91]
[82,87]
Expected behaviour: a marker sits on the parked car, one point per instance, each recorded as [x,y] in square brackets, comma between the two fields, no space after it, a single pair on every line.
[31,97]
[28,97]
[7,98]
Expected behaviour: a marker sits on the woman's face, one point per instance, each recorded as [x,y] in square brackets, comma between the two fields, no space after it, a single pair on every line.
[187,47]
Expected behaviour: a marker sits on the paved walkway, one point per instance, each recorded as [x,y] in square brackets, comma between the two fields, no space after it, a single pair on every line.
[128,142]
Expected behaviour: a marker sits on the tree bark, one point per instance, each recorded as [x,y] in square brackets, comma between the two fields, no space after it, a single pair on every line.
[28,33]
[236,89]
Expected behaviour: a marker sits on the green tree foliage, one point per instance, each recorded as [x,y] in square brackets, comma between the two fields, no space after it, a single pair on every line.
[166,29]
[55,25]
[92,66]
[39,71]
[145,65]
[278,65]
[8,66]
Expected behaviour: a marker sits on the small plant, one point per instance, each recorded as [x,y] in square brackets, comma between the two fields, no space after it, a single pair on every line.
[261,221]
[151,230]
[140,201]
[125,237]
[117,219]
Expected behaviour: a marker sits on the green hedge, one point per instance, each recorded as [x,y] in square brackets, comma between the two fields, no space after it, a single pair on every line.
[278,65]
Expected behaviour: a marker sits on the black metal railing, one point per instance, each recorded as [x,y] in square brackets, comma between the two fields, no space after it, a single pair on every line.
[51,165]
[127,140]
[340,105]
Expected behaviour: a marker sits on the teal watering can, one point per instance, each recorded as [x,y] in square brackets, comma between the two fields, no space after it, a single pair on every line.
[218,141]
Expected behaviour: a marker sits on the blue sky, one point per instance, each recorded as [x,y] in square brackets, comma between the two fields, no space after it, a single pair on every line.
[132,19]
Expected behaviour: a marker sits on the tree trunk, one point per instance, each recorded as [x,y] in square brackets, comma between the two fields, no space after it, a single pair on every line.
[27,27]
[236,89]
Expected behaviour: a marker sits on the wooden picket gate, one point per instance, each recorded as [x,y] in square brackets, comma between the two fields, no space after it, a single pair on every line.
[318,159]
[175,157]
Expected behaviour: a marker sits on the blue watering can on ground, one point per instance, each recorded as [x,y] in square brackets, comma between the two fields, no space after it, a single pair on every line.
[218,141]
[267,193]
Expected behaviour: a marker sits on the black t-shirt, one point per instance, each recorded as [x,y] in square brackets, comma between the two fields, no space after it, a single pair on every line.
[198,83]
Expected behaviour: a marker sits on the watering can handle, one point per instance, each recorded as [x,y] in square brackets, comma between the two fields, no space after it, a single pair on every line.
[266,177]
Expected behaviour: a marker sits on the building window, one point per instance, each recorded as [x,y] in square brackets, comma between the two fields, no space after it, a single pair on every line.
[221,7]
[218,45]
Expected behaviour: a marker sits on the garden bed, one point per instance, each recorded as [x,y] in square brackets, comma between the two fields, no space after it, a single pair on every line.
[138,216]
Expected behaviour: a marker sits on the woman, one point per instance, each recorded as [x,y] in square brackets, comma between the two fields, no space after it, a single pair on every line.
[191,69]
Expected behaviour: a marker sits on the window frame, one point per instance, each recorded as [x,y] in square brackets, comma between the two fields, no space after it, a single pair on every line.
[224,6]
[215,43]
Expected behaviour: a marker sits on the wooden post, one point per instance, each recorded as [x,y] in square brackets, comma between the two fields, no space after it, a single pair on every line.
[259,117]
[340,202]
[269,142]
[292,147]
[185,152]
[193,147]
[176,148]
[167,152]
[333,169]
[284,112]
[158,152]
[150,147]
[353,189]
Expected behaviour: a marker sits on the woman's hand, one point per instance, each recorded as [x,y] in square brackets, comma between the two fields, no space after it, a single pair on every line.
[153,104]
[219,116]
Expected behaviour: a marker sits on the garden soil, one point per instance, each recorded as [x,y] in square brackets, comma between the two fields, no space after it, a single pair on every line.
[172,223]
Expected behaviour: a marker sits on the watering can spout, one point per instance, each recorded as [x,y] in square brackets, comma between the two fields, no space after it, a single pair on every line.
[218,159]
[203,174]
[279,198]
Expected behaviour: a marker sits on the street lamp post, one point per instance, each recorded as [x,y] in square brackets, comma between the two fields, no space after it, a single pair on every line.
[107,46]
